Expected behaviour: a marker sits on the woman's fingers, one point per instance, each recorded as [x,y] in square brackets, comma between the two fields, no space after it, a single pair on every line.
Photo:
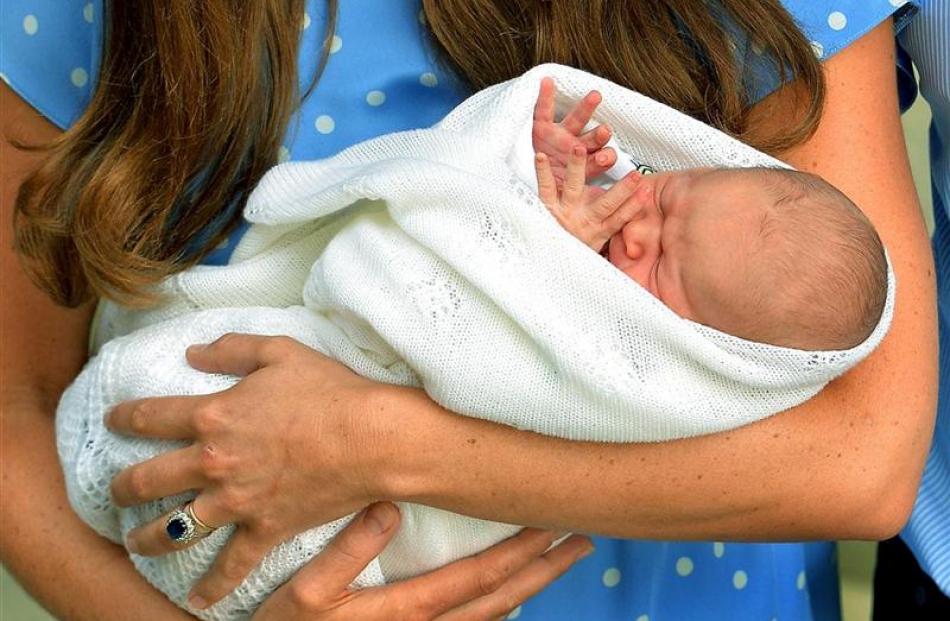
[334,569]
[243,552]
[581,113]
[165,475]
[152,539]
[525,583]
[162,418]
[463,581]
[240,354]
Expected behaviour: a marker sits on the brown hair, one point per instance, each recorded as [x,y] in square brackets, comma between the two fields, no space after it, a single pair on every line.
[194,99]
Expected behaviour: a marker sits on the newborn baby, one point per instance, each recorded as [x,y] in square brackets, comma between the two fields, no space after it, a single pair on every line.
[770,255]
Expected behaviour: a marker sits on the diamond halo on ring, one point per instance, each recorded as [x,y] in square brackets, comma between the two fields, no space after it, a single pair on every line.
[183,526]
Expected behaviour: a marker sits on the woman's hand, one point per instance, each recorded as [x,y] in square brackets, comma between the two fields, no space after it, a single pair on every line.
[257,456]
[486,586]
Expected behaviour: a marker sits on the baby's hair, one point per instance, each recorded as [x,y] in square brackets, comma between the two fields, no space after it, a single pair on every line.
[819,277]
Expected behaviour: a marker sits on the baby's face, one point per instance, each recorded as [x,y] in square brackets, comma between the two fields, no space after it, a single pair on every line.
[690,241]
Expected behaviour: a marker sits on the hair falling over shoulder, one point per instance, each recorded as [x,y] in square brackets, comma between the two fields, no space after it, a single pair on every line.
[194,98]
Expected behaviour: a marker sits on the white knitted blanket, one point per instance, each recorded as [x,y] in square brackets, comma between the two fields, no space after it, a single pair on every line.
[424,258]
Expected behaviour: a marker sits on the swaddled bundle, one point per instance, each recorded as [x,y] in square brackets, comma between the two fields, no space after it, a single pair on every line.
[423,259]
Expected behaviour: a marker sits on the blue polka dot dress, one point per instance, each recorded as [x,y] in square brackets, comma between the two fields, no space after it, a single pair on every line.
[382,77]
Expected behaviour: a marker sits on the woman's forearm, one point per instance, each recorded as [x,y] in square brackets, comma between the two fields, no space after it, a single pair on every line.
[807,473]
[68,568]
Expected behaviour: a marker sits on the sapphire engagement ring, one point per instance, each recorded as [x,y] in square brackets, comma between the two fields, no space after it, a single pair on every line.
[183,526]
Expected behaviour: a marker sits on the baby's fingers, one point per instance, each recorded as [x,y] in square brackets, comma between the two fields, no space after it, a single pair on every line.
[581,113]
[544,107]
[575,177]
[547,185]
[242,554]
[612,207]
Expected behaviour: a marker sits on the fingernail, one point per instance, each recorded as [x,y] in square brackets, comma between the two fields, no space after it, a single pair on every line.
[198,602]
[197,347]
[380,517]
[601,158]
[107,420]
[132,546]
[586,551]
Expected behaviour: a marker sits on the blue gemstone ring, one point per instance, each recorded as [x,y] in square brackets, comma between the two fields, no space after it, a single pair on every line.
[183,526]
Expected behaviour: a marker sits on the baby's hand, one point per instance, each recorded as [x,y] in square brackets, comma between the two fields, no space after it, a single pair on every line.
[589,213]
[557,140]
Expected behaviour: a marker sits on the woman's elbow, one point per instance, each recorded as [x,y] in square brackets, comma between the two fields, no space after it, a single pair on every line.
[877,509]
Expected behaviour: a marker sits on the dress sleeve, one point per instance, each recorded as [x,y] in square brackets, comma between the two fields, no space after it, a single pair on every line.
[49,54]
[830,26]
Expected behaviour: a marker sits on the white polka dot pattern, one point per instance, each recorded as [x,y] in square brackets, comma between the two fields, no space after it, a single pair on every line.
[837,20]
[740,579]
[30,24]
[79,77]
[325,124]
[684,566]
[611,577]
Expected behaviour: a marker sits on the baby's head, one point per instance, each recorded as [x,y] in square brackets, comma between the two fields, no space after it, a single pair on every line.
[769,255]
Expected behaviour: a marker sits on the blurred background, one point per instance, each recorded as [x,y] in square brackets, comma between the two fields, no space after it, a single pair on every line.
[856,559]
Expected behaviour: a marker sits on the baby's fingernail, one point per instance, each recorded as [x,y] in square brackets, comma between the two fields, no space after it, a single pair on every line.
[601,158]
[132,546]
[380,517]
[196,601]
[197,347]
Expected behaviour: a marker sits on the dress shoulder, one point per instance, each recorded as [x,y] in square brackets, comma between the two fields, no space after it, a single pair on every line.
[830,26]
[49,54]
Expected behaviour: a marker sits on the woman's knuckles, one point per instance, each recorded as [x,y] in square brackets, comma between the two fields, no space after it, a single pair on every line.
[277,348]
[210,419]
[215,466]
[490,579]
[237,503]
[132,486]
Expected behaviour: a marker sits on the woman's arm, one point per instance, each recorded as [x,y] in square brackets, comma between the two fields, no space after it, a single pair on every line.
[844,465]
[71,570]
